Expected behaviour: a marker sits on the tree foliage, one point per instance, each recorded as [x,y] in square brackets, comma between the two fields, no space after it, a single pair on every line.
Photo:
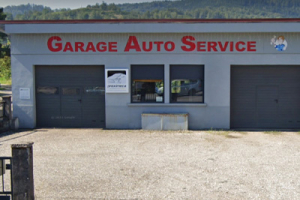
[13,11]
[5,69]
[4,44]
[180,9]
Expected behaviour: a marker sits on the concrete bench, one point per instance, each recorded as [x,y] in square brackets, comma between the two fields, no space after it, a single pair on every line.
[165,121]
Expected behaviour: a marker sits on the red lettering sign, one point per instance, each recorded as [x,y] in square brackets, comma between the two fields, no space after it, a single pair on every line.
[112,47]
[251,46]
[238,46]
[212,46]
[223,47]
[58,46]
[189,44]
[101,47]
[90,47]
[158,45]
[145,46]
[187,40]
[68,47]
[169,46]
[132,43]
[201,46]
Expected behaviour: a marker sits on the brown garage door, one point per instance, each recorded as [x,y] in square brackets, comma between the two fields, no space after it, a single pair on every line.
[265,97]
[70,96]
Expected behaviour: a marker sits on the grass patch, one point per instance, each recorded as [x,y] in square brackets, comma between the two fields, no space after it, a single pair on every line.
[226,133]
[219,132]
[273,132]
[5,81]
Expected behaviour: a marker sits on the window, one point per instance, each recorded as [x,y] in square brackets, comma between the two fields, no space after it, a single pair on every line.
[187,83]
[147,83]
[47,90]
[70,91]
[94,90]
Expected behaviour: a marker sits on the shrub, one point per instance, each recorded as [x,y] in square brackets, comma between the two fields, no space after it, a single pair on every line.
[5,67]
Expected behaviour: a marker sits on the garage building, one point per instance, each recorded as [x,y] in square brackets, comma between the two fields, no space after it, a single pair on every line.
[224,74]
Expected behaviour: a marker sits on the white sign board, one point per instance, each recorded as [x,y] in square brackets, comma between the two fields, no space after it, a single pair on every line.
[24,93]
[159,99]
[116,81]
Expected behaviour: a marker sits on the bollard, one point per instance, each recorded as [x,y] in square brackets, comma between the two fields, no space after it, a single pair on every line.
[22,171]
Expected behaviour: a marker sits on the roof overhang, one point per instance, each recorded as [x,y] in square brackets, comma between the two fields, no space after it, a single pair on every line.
[153,26]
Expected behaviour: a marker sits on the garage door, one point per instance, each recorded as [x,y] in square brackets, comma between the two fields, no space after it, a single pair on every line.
[265,97]
[70,96]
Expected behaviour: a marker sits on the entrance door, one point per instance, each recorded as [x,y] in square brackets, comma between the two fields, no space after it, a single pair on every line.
[267,106]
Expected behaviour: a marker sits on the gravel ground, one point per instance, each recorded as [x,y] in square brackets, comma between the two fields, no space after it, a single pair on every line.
[136,164]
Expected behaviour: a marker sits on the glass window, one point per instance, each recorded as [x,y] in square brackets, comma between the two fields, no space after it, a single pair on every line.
[187,83]
[70,91]
[147,83]
[94,90]
[47,90]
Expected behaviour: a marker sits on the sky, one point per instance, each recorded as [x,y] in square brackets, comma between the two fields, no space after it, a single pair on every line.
[66,3]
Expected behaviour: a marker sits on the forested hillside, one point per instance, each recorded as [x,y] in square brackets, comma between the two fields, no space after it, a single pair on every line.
[192,4]
[13,11]
[188,9]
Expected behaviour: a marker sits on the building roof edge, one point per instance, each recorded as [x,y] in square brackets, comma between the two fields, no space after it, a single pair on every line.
[98,21]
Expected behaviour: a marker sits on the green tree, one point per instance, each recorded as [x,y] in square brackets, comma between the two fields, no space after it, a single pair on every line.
[166,9]
[2,15]
[5,69]
[103,6]
[5,62]
[4,45]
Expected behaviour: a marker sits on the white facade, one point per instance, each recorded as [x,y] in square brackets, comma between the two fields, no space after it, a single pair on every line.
[217,50]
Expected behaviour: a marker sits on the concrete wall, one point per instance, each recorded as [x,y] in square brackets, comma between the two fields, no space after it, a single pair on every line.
[31,50]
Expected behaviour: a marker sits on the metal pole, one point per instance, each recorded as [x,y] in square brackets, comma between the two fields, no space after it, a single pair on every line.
[3,169]
[11,180]
[2,174]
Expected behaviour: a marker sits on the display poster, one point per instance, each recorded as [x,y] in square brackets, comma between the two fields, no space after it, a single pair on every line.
[116,81]
[24,93]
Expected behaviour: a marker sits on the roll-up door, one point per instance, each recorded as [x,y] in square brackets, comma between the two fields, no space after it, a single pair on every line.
[70,96]
[265,97]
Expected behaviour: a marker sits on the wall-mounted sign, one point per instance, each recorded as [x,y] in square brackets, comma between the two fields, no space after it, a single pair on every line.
[134,44]
[24,93]
[116,81]
[279,43]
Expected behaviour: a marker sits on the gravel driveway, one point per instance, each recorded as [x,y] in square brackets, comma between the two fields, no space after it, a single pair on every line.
[136,164]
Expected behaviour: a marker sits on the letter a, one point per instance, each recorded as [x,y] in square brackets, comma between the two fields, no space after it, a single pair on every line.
[132,43]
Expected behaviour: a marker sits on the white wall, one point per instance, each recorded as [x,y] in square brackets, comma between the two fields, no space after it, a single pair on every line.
[31,50]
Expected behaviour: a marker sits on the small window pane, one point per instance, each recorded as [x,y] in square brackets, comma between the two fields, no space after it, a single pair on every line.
[47,90]
[70,91]
[147,83]
[187,84]
[147,91]
[94,90]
